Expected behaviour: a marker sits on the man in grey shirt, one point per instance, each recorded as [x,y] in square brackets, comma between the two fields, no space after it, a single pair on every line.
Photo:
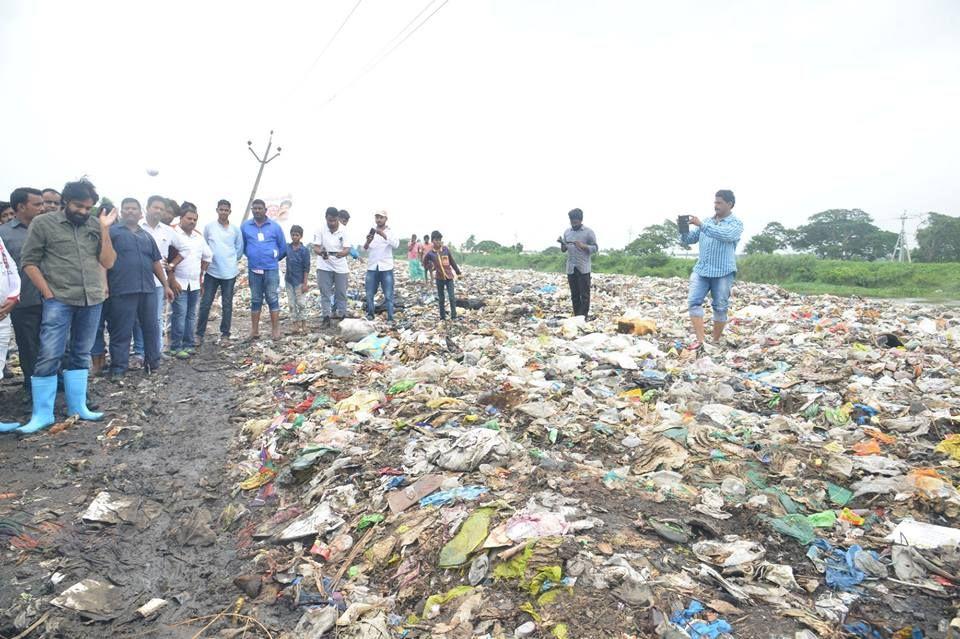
[579,243]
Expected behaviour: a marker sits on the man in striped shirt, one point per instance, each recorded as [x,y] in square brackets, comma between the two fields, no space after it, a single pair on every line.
[715,269]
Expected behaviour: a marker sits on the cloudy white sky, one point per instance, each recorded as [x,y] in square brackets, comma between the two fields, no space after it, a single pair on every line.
[497,116]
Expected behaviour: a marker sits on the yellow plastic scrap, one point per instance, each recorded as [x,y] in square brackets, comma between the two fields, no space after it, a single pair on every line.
[516,566]
[442,402]
[560,631]
[263,476]
[359,402]
[849,516]
[550,573]
[834,447]
[440,599]
[527,607]
[950,446]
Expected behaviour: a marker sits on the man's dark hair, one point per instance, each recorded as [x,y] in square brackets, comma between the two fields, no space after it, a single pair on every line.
[727,196]
[80,190]
[343,213]
[426,238]
[176,207]
[49,190]
[296,228]
[129,200]
[225,203]
[4,206]
[187,207]
[332,212]
[576,214]
[19,196]
[258,201]
[156,198]
[287,202]
[436,235]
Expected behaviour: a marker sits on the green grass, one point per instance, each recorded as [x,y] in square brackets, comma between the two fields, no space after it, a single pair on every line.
[798,273]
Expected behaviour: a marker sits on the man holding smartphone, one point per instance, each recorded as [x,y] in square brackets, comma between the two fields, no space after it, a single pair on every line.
[579,243]
[717,265]
[381,241]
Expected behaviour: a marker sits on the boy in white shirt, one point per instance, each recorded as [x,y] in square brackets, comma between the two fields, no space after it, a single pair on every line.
[330,244]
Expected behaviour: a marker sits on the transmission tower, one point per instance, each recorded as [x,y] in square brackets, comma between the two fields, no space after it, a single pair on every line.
[901,252]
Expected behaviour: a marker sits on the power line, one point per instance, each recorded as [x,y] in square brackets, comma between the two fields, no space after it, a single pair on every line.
[326,47]
[377,60]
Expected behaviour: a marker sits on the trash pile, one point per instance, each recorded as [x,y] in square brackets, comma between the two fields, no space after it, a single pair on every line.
[526,474]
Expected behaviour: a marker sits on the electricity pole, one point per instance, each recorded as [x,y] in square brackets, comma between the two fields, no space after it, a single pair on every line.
[266,159]
[901,253]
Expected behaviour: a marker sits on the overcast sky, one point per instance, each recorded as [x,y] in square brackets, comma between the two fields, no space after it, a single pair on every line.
[498,116]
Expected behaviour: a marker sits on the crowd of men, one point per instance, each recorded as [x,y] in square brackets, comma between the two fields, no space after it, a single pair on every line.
[73,274]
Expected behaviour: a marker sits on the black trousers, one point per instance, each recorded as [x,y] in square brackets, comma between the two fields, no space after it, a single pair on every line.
[26,328]
[121,314]
[580,292]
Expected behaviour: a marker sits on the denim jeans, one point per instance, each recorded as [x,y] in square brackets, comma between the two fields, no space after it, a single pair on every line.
[719,289]
[183,320]
[138,332]
[210,286]
[121,312]
[447,286]
[264,285]
[384,280]
[59,319]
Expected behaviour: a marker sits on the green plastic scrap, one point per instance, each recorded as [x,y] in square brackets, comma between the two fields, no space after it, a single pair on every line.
[369,520]
[545,577]
[442,598]
[320,401]
[795,526]
[552,435]
[491,425]
[676,434]
[825,519]
[812,411]
[560,631]
[757,478]
[471,535]
[837,416]
[401,387]
[298,422]
[838,494]
[788,504]
[516,566]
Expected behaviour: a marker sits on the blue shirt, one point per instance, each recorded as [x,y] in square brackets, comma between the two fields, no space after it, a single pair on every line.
[298,264]
[264,245]
[718,246]
[227,247]
[136,254]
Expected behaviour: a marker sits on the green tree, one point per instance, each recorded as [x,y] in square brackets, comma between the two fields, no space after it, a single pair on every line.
[656,238]
[938,239]
[844,234]
[773,237]
[488,246]
[471,243]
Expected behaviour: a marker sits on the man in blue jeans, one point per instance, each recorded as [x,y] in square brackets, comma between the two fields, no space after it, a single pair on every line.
[717,265]
[381,241]
[264,245]
[186,281]
[226,244]
[64,256]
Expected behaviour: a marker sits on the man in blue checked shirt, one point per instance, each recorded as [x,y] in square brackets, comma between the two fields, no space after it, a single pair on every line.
[715,269]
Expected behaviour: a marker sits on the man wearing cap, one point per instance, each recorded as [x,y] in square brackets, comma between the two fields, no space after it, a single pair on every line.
[381,241]
[579,243]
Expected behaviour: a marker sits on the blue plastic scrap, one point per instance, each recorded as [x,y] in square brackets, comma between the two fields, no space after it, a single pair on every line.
[865,630]
[697,628]
[864,413]
[842,571]
[445,497]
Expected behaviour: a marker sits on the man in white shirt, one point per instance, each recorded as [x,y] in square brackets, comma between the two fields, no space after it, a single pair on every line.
[186,279]
[332,247]
[163,235]
[9,296]
[381,241]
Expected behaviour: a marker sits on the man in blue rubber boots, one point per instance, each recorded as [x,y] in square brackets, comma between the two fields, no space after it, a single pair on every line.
[64,256]
[715,269]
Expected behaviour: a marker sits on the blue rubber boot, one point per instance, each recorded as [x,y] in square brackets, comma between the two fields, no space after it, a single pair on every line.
[75,391]
[7,427]
[44,391]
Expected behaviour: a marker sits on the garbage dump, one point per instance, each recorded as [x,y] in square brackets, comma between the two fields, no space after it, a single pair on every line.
[521,473]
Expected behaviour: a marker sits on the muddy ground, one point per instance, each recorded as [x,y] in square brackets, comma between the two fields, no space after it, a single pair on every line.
[165,441]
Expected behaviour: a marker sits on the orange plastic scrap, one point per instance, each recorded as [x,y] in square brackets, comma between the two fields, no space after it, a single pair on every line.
[849,516]
[263,476]
[880,436]
[867,447]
